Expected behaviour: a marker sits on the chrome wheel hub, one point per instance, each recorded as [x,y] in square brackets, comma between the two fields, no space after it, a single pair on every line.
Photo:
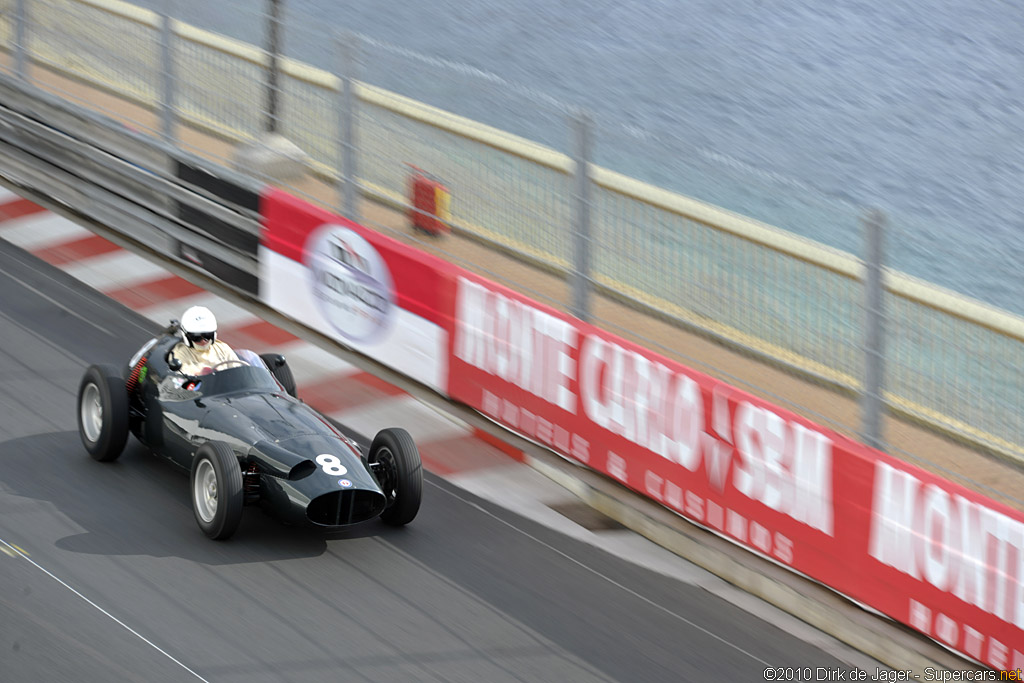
[92,413]
[204,491]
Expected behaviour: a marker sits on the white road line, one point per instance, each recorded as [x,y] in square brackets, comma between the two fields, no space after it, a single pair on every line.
[613,582]
[61,306]
[64,286]
[10,548]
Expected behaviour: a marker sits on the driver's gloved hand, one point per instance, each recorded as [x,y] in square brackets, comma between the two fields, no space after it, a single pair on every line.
[189,382]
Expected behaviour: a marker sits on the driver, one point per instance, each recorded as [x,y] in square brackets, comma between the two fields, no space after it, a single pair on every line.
[199,348]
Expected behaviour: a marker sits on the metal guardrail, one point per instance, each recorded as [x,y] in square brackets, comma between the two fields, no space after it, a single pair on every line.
[130,182]
[952,363]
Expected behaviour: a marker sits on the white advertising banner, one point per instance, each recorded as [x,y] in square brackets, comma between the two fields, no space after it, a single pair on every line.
[344,287]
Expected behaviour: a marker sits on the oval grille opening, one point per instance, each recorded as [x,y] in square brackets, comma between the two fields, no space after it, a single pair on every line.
[345,507]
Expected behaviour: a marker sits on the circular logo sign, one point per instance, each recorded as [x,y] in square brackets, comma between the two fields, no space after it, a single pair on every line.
[351,283]
[345,483]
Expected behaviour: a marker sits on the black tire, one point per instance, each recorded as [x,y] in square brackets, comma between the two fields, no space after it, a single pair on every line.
[103,412]
[216,489]
[396,463]
[281,371]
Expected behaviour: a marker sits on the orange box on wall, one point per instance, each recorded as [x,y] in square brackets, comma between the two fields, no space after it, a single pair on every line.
[431,203]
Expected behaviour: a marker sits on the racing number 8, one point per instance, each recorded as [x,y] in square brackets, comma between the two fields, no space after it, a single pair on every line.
[331,464]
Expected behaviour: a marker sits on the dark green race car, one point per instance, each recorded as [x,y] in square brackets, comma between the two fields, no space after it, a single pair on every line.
[246,439]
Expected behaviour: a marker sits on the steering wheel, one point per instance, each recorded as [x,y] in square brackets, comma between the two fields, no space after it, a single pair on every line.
[233,363]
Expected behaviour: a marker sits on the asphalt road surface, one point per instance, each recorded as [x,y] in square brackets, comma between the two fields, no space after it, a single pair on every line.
[104,575]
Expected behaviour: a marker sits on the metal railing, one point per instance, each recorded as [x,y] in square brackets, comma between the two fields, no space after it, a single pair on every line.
[951,362]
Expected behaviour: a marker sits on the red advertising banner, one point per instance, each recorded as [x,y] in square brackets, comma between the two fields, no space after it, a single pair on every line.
[925,551]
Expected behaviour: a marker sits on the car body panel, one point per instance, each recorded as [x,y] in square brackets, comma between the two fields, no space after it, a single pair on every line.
[307,470]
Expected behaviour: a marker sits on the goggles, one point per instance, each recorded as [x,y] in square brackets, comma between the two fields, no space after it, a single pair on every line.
[197,337]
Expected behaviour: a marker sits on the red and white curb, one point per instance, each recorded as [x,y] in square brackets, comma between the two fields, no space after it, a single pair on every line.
[449,447]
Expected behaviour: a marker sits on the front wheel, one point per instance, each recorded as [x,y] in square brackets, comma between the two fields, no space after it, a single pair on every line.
[103,412]
[395,462]
[217,496]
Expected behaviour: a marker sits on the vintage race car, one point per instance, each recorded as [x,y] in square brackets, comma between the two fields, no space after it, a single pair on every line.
[246,439]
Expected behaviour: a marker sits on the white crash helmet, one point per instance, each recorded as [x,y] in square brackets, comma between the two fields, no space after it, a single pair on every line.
[198,326]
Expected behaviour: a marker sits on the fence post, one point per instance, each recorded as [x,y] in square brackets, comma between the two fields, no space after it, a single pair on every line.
[274,68]
[872,400]
[168,116]
[20,38]
[348,44]
[579,278]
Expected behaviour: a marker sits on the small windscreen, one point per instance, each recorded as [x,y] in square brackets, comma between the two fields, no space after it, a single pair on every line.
[238,378]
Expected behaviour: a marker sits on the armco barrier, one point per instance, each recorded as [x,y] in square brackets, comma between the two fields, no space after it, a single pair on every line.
[929,553]
[172,201]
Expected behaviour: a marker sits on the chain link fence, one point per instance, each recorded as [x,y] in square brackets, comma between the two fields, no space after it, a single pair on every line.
[737,265]
[758,285]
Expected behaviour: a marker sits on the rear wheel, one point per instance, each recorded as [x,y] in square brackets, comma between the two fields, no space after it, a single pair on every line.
[103,412]
[217,496]
[395,462]
[281,372]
